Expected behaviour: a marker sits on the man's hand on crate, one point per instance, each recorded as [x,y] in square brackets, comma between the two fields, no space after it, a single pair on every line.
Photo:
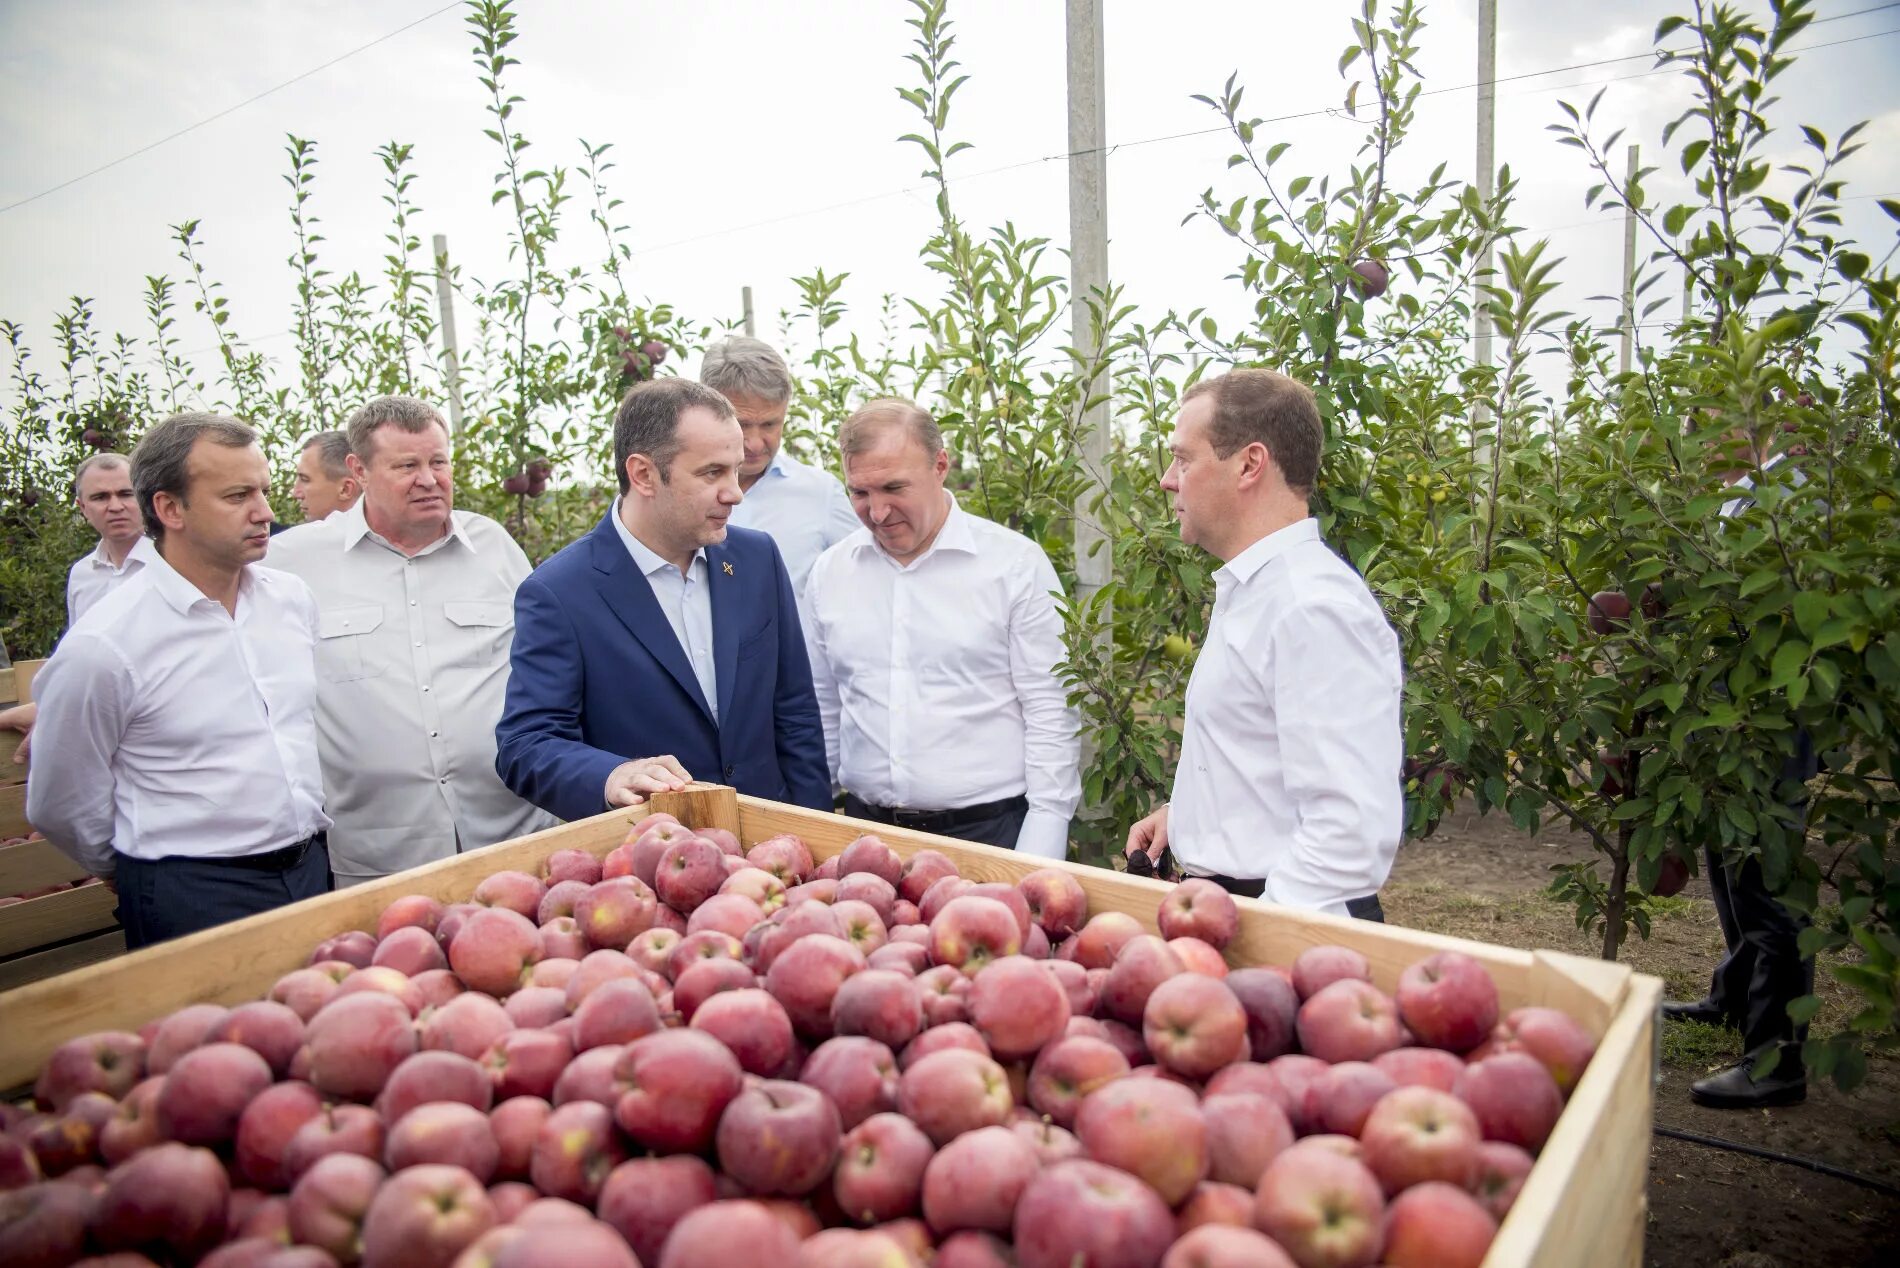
[633,782]
[20,718]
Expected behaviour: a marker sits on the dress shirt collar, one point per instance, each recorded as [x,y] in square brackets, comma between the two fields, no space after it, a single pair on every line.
[644,558]
[353,526]
[1241,568]
[954,534]
[182,594]
[776,467]
[142,550]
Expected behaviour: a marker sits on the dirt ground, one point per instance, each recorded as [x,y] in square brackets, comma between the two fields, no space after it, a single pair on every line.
[1479,877]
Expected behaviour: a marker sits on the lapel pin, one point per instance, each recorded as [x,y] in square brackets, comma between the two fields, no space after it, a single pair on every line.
[727,567]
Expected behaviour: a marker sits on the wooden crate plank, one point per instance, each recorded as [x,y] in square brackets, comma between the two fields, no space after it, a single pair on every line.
[30,865]
[239,961]
[37,965]
[16,681]
[13,812]
[36,922]
[8,693]
[11,772]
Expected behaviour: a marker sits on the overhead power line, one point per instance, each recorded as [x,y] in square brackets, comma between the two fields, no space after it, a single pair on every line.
[144,149]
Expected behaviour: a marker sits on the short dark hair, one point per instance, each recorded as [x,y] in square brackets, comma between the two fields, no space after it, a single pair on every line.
[648,421]
[409,413]
[160,463]
[1268,407]
[332,448]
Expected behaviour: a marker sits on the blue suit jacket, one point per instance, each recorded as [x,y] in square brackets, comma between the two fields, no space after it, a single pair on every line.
[598,678]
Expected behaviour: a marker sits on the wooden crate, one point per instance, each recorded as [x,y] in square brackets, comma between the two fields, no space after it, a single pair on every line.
[1582,1207]
[54,932]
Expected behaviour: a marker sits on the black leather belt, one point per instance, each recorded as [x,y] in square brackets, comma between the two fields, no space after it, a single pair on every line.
[933,820]
[274,861]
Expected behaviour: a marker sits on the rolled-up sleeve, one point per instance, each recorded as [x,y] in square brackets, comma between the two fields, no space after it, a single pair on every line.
[1052,739]
[85,693]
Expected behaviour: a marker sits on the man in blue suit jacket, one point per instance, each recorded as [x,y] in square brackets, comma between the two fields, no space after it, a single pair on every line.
[662,631]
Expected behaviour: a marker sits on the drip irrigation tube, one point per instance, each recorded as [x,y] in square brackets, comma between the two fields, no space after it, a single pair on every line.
[1771,1155]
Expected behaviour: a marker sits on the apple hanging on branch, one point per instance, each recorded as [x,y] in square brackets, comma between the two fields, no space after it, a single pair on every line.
[1372,278]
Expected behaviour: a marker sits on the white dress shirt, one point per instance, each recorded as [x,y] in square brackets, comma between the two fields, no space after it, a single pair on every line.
[412,658]
[937,679]
[687,601]
[1292,746]
[169,727]
[805,510]
[94,575]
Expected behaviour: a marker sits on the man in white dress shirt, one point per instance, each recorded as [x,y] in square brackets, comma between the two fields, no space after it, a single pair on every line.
[176,750]
[415,621]
[103,486]
[325,484]
[1288,786]
[799,506]
[935,636]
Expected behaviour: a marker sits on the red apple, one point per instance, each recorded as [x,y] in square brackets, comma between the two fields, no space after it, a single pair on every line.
[1068,1070]
[527,1062]
[1018,1006]
[679,1083]
[494,950]
[1198,908]
[1193,1024]
[1316,968]
[355,1130]
[722,1234]
[575,1151]
[571,865]
[953,1091]
[922,870]
[881,1167]
[1415,1134]
[1224,1246]
[1246,1131]
[972,931]
[207,1090]
[446,1132]
[1339,1099]
[1150,1128]
[1448,1001]
[110,1061]
[689,872]
[1553,1037]
[645,1198]
[266,1128]
[516,891]
[779,1138]
[1084,1212]
[615,1012]
[1502,1170]
[859,1074]
[1435,1225]
[356,1041]
[1514,1097]
[169,1200]
[467,1025]
[869,854]
[976,1180]
[1271,1005]
[805,978]
[1321,1207]
[1143,963]
[424,1217]
[516,1123]
[1212,1202]
[784,856]
[1348,1020]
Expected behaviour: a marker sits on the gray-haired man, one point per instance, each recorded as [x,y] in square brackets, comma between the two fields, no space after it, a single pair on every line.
[800,507]
[102,485]
[415,622]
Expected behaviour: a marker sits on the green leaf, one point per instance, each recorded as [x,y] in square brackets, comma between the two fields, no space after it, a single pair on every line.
[1810,611]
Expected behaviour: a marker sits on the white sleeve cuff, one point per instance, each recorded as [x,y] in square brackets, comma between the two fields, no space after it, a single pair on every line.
[1044,835]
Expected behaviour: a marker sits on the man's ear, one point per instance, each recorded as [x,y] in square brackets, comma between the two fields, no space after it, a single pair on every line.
[357,470]
[1255,461]
[642,476]
[170,509]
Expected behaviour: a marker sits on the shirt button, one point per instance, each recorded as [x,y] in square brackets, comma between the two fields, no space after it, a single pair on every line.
[412,603]
[425,686]
[418,644]
[434,735]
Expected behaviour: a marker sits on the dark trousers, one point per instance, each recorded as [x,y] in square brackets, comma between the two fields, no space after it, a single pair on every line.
[996,826]
[1763,970]
[1367,908]
[168,898]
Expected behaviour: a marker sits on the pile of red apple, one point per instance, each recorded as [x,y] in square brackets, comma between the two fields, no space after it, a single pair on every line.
[692,1057]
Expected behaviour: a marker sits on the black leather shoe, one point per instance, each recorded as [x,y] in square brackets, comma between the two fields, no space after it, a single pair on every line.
[1733,1089]
[1706,1011]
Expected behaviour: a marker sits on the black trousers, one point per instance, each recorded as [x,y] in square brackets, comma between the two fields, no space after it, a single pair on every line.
[1762,971]
[1367,908]
[168,898]
[998,828]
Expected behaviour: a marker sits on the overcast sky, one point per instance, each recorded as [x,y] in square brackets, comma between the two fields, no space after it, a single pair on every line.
[756,140]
